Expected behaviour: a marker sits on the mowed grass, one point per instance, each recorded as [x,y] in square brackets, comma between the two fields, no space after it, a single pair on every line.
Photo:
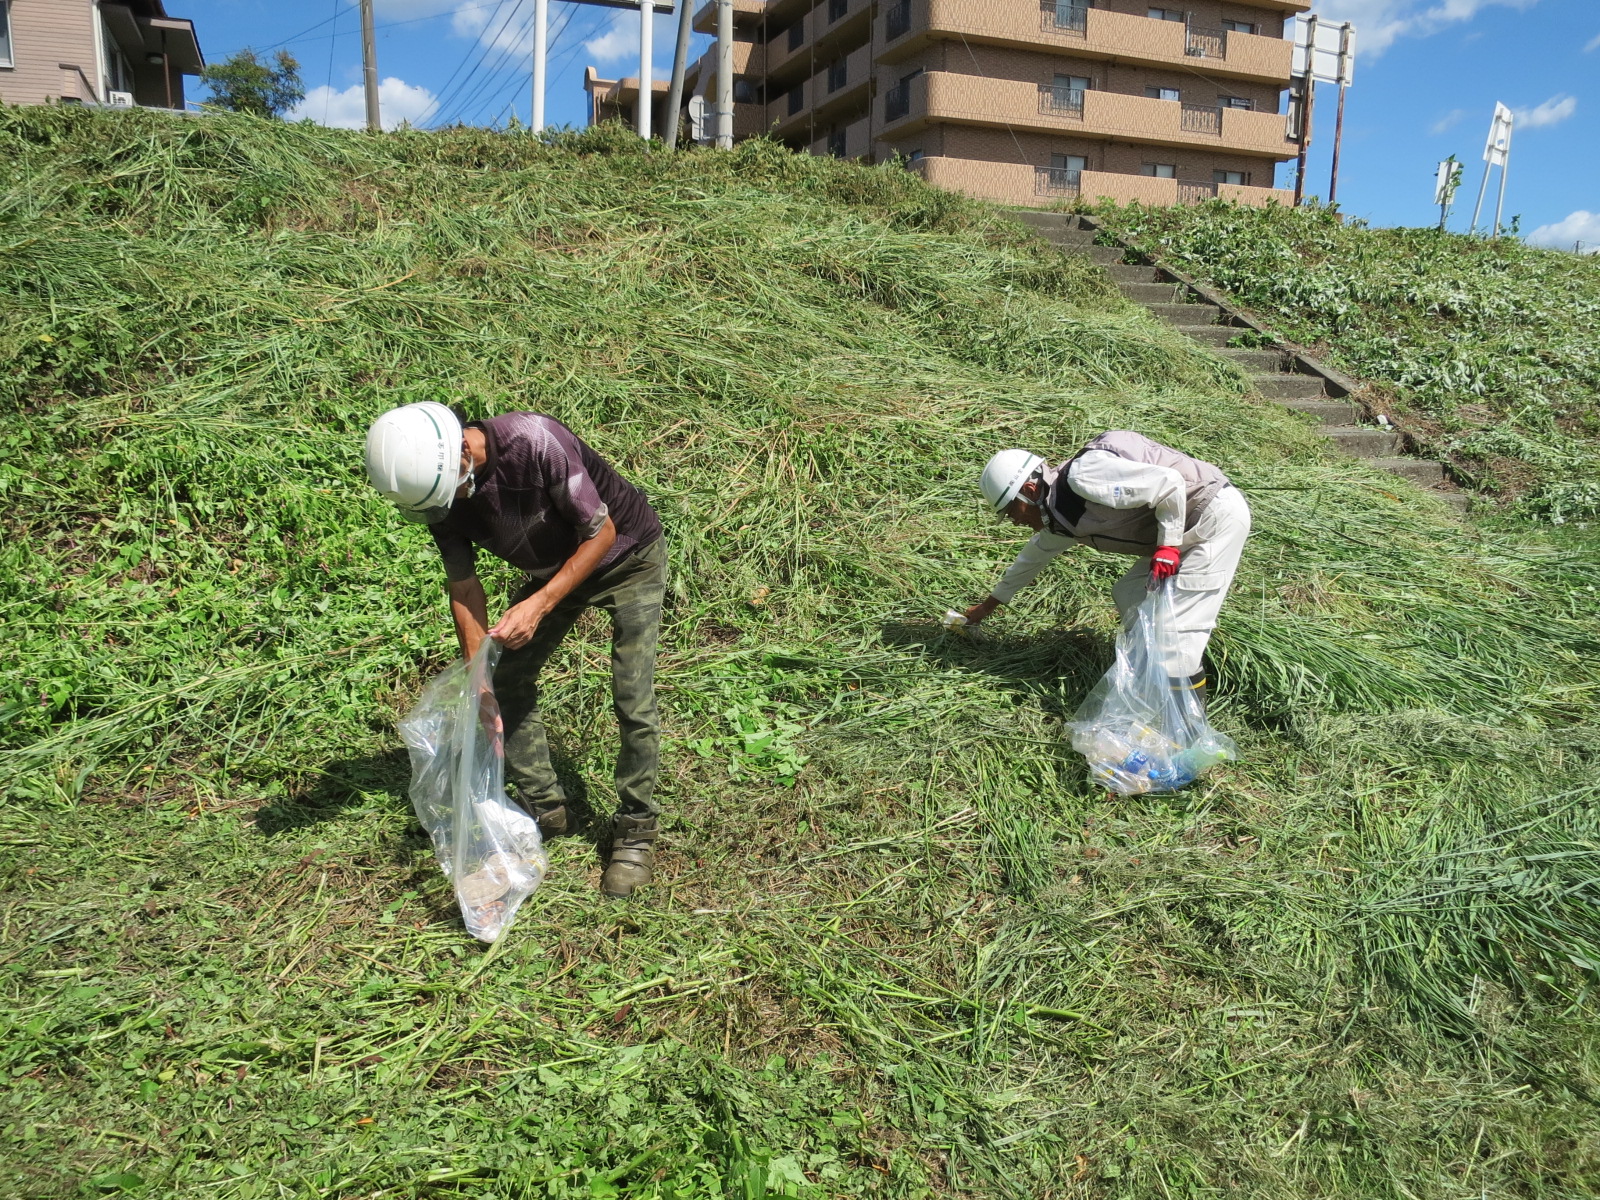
[898,946]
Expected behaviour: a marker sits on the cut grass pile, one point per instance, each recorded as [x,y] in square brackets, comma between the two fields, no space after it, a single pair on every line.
[1486,346]
[898,946]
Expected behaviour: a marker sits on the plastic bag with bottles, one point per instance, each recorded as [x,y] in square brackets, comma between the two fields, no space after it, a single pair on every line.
[1138,732]
[487,846]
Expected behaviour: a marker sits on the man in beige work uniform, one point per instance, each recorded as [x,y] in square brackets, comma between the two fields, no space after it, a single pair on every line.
[1124,493]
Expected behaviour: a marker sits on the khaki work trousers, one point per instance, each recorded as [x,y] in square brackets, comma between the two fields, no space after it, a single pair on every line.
[1210,555]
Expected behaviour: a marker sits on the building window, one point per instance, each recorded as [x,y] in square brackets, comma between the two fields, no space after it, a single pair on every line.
[744,91]
[836,142]
[797,99]
[837,10]
[797,34]
[1161,93]
[1243,102]
[837,74]
[1165,14]
[1239,177]
[1070,15]
[897,100]
[1238,26]
[1160,170]
[5,34]
[898,22]
[913,156]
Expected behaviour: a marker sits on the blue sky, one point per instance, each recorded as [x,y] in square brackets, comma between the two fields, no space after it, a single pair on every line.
[1427,78]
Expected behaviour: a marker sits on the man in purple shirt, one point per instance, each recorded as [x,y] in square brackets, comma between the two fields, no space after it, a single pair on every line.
[528,490]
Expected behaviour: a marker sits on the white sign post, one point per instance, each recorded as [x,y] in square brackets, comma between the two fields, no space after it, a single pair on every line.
[1322,53]
[1496,153]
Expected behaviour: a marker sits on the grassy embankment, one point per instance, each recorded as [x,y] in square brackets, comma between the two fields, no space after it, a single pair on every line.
[899,947]
[1486,348]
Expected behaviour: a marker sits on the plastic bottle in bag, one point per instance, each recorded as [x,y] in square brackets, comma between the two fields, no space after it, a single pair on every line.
[487,846]
[1137,733]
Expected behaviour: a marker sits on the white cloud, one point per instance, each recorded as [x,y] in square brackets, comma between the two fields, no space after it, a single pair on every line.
[1552,112]
[1449,121]
[620,42]
[1594,44]
[510,30]
[1580,226]
[398,101]
[1379,23]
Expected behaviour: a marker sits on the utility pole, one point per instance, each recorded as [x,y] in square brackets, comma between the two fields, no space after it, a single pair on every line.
[1308,91]
[369,67]
[680,63]
[725,74]
[541,34]
[647,84]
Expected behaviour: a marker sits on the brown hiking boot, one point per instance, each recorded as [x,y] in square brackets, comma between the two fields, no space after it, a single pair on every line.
[554,820]
[633,856]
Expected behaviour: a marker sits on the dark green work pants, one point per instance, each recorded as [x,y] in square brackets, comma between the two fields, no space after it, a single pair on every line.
[631,591]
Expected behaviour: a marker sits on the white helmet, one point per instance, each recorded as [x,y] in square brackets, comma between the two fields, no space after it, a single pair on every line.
[1004,475]
[414,459]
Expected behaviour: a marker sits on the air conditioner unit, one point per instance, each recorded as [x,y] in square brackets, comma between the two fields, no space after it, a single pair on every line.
[119,99]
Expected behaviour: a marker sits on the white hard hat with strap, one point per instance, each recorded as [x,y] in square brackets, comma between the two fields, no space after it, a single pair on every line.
[1005,474]
[414,459]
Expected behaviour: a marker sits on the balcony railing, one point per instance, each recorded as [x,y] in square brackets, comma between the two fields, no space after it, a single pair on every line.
[797,34]
[1056,181]
[838,76]
[1197,118]
[837,10]
[1193,193]
[837,143]
[898,21]
[1060,101]
[797,99]
[897,102]
[1063,16]
[1205,43]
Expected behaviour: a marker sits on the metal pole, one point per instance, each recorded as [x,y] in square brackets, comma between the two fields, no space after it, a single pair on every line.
[1477,208]
[1505,169]
[1338,136]
[541,37]
[647,89]
[369,67]
[1308,89]
[680,62]
[725,74]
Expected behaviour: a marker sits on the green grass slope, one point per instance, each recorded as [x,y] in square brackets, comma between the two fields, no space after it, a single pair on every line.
[899,946]
[1485,347]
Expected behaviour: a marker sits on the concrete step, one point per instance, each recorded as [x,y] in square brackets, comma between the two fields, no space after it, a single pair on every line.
[1284,386]
[1256,362]
[1329,412]
[1425,471]
[1186,314]
[1459,501]
[1129,273]
[1210,335]
[1149,293]
[1360,442]
[1047,221]
[1069,237]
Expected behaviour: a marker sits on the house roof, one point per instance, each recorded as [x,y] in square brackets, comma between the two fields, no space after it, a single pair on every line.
[143,26]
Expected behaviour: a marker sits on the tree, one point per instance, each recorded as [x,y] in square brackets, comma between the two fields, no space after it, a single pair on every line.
[244,83]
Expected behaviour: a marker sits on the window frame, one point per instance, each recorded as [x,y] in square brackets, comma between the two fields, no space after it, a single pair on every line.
[1230,25]
[1160,93]
[1167,14]
[1153,170]
[1238,103]
[1243,180]
[8,52]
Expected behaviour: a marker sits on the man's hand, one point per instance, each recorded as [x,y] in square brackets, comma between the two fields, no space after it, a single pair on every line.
[981,610]
[516,628]
[1164,564]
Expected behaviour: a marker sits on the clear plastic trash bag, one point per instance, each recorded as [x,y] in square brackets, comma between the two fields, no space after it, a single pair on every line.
[487,846]
[1137,732]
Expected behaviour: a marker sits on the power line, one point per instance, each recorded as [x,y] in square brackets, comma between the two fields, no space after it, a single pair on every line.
[486,46]
[464,57]
[555,41]
[333,40]
[490,80]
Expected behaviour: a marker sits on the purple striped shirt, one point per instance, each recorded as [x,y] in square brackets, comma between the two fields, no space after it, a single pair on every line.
[541,491]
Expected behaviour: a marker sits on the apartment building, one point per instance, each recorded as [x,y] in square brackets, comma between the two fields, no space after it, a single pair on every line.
[1025,102]
[95,52]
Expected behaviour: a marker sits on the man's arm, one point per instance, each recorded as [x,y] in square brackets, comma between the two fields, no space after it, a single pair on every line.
[470,612]
[516,628]
[1041,549]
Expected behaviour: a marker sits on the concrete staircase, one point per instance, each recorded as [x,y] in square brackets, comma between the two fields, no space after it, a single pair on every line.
[1293,380]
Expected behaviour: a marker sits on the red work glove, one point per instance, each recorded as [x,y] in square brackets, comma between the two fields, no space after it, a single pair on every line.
[1163,564]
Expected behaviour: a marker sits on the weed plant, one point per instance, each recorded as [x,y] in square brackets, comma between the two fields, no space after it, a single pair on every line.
[899,946]
[1487,345]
